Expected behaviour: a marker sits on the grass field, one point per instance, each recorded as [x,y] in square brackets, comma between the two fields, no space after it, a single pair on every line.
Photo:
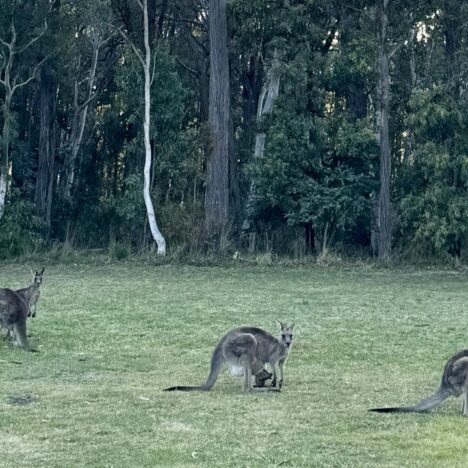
[112,337]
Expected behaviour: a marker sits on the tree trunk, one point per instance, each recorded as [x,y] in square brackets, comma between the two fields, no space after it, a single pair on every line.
[157,236]
[4,156]
[79,121]
[266,101]
[45,169]
[11,82]
[384,223]
[217,177]
[309,238]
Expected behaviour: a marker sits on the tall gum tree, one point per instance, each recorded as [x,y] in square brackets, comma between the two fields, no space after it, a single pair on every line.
[91,43]
[383,217]
[217,177]
[46,160]
[11,80]
[146,61]
[266,101]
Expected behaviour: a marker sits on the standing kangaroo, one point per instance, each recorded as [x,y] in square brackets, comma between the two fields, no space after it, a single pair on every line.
[32,293]
[454,382]
[249,349]
[13,315]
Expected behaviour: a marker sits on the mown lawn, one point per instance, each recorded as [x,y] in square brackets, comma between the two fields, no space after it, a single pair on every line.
[112,337]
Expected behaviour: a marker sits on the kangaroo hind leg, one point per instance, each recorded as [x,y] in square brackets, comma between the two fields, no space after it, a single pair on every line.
[240,350]
[247,384]
[19,329]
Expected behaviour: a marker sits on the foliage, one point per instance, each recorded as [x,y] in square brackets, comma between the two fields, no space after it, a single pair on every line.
[435,208]
[319,172]
[20,231]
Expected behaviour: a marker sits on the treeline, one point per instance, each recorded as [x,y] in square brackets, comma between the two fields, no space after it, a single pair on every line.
[302,125]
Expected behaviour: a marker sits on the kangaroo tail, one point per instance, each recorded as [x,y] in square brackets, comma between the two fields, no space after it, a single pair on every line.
[181,388]
[424,405]
[217,360]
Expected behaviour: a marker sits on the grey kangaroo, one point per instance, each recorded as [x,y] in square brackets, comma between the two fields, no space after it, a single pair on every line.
[32,293]
[13,315]
[454,382]
[249,349]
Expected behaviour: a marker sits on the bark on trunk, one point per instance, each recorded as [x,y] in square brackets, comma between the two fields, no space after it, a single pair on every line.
[79,120]
[11,83]
[45,169]
[266,101]
[3,190]
[4,157]
[157,236]
[383,222]
[217,178]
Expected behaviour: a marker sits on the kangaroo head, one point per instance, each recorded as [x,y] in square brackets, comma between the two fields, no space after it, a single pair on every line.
[37,277]
[261,377]
[286,334]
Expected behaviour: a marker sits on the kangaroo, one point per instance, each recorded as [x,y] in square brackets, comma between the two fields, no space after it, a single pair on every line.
[32,293]
[454,382]
[248,349]
[261,377]
[13,315]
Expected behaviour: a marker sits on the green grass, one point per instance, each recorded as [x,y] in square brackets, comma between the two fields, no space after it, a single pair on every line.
[112,337]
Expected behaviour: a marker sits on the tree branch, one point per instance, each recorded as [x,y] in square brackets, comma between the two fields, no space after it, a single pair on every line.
[6,44]
[132,45]
[154,68]
[360,11]
[32,77]
[395,49]
[189,69]
[33,40]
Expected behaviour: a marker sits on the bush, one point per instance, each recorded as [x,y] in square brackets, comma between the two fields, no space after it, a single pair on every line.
[19,227]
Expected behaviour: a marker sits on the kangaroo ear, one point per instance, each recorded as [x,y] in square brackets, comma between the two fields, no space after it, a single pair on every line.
[281,324]
[42,271]
[33,272]
[292,325]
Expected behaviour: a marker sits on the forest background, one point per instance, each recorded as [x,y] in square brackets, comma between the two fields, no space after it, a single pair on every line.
[280,126]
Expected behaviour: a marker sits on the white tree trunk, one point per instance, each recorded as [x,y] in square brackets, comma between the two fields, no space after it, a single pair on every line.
[268,95]
[3,190]
[157,236]
[11,83]
[266,101]
[79,118]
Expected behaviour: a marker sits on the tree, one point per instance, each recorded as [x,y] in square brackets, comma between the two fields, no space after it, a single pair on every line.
[266,101]
[217,173]
[434,178]
[91,35]
[383,216]
[146,63]
[47,141]
[12,78]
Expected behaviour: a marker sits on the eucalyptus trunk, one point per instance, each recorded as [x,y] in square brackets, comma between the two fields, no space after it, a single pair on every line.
[78,124]
[266,101]
[157,236]
[11,82]
[383,222]
[4,156]
[217,177]
[46,163]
